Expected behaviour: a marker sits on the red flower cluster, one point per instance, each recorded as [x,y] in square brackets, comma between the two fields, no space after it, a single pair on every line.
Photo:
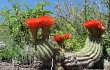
[46,20]
[32,22]
[59,38]
[95,27]
[41,21]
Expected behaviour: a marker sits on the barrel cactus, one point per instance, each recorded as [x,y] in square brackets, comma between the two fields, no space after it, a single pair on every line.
[44,50]
[91,53]
[85,58]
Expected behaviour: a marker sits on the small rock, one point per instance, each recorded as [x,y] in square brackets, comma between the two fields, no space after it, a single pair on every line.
[2,46]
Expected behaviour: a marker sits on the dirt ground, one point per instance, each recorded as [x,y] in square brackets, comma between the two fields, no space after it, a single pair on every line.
[10,66]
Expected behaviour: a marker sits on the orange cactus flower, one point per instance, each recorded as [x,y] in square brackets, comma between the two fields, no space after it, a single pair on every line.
[32,22]
[58,38]
[66,35]
[91,23]
[95,27]
[47,20]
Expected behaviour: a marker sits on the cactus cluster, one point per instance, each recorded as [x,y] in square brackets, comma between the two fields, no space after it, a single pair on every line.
[85,58]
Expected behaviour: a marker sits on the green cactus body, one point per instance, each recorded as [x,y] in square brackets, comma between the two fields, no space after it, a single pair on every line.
[85,56]
[90,54]
[44,50]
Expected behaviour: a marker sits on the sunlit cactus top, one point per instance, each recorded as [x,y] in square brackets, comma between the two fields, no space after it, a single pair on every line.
[32,22]
[47,20]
